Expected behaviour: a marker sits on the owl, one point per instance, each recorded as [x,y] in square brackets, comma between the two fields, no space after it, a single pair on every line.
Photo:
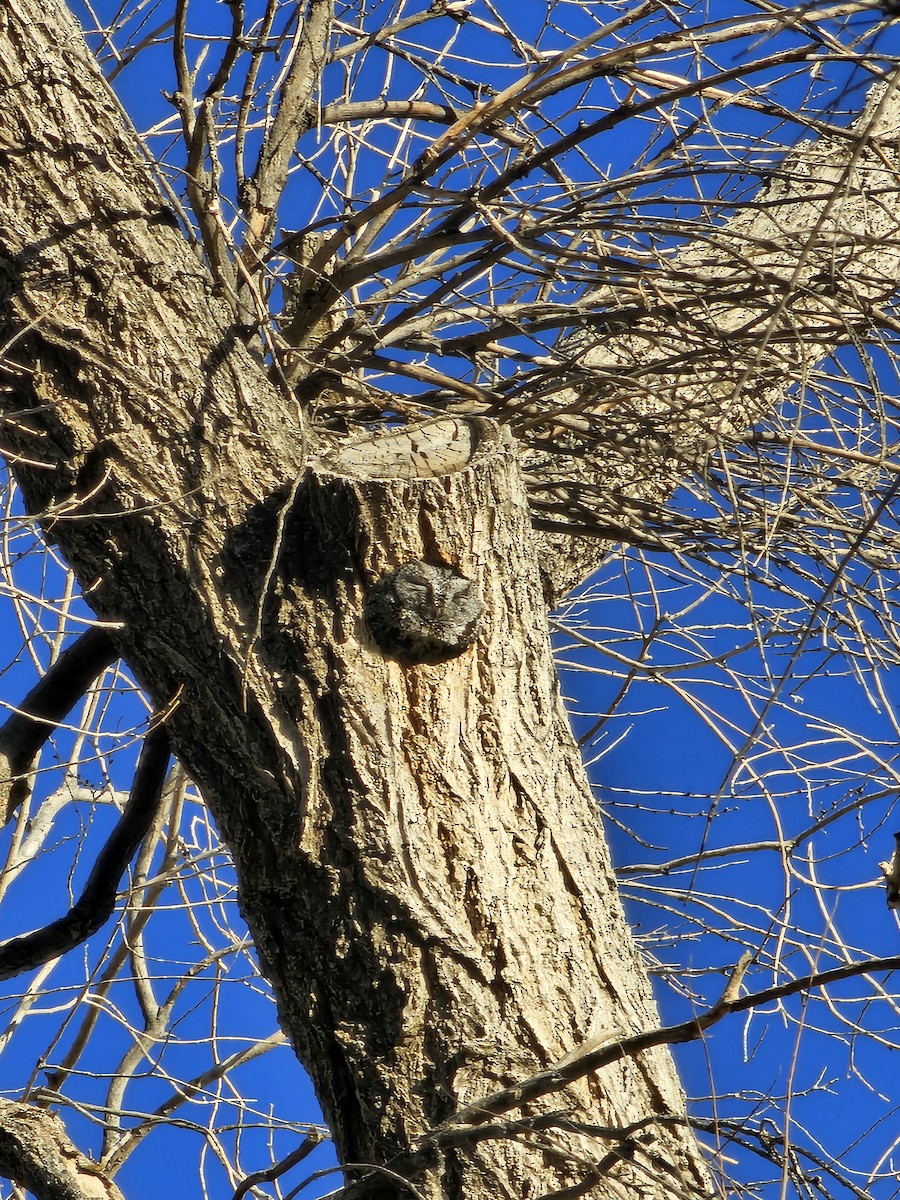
[424,613]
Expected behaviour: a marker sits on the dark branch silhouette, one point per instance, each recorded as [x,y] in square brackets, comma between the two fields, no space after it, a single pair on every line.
[313,1138]
[95,904]
[25,731]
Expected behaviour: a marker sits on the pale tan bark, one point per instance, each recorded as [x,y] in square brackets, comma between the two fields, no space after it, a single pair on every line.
[484,909]
[419,856]
[36,1153]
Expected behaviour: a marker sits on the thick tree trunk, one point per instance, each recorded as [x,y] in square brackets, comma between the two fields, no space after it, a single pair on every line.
[460,923]
[419,857]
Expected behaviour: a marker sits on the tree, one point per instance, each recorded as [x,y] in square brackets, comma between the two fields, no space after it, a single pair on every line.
[320,487]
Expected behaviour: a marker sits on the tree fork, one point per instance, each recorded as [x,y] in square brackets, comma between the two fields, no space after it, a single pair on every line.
[462,924]
[419,856]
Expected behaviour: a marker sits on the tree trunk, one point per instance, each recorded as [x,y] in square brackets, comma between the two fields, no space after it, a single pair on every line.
[459,923]
[419,857]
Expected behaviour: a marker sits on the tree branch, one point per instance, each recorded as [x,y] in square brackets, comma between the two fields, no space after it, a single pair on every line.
[199,138]
[593,1056]
[96,903]
[314,1138]
[36,1153]
[293,118]
[25,731]
[693,366]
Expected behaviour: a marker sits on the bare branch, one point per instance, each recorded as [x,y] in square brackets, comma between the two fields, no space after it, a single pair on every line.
[306,1147]
[295,114]
[96,903]
[25,731]
[593,1057]
[200,139]
[36,1153]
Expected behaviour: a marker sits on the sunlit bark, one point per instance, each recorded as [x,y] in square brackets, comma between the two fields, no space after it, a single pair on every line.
[419,856]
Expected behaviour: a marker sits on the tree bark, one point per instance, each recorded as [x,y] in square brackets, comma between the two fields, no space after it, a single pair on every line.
[419,857]
[36,1153]
[462,922]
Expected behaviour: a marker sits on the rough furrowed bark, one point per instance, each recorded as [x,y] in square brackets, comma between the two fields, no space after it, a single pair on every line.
[462,923]
[36,1153]
[419,857]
